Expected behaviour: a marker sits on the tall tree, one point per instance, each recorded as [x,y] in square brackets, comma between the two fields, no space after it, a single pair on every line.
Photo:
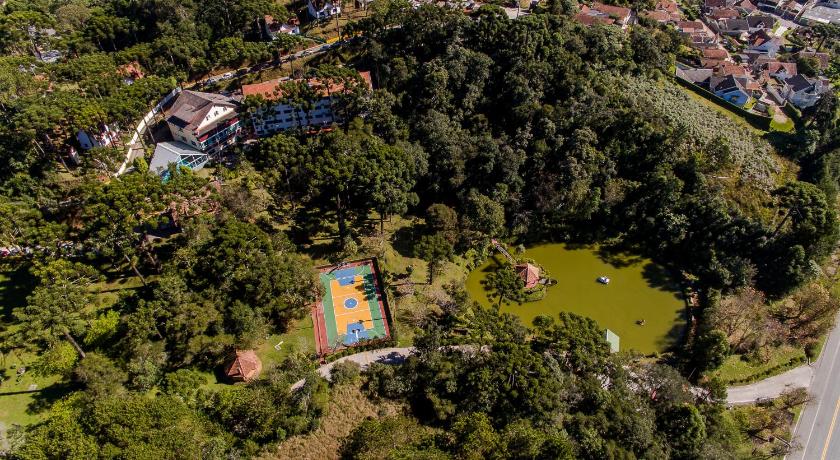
[61,306]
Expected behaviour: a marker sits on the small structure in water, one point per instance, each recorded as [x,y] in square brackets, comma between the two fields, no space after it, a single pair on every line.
[613,340]
[603,280]
[529,273]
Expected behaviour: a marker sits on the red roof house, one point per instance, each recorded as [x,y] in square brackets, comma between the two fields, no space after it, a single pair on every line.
[246,366]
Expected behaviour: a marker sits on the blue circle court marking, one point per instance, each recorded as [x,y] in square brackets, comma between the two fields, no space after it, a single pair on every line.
[350,303]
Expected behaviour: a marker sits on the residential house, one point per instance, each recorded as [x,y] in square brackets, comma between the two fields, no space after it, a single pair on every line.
[789,9]
[730,68]
[205,121]
[723,13]
[713,57]
[598,13]
[284,115]
[734,27]
[804,92]
[662,17]
[822,58]
[745,7]
[768,5]
[730,89]
[760,22]
[709,5]
[697,34]
[778,70]
[274,28]
[763,43]
[102,136]
[323,9]
[667,5]
[699,77]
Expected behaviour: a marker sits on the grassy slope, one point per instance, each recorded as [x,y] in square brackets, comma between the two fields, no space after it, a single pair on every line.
[737,369]
[347,408]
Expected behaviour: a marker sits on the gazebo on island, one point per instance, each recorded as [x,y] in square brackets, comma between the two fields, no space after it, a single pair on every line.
[529,273]
[245,367]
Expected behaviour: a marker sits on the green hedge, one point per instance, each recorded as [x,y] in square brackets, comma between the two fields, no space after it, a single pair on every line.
[758,121]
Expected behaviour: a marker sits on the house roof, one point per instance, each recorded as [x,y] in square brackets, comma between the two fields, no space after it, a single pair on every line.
[191,107]
[689,26]
[727,83]
[269,89]
[734,25]
[798,82]
[729,68]
[176,152]
[696,76]
[529,273]
[715,53]
[746,5]
[724,13]
[761,21]
[617,12]
[590,17]
[245,366]
[822,58]
[715,3]
[776,67]
[658,15]
[667,5]
[760,38]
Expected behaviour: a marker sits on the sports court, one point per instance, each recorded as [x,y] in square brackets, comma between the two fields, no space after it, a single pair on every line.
[352,309]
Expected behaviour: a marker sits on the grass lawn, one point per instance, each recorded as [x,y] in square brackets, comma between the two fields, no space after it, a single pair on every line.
[300,337]
[23,397]
[787,127]
[736,369]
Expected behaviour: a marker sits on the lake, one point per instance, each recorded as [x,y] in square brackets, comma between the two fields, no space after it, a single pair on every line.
[639,289]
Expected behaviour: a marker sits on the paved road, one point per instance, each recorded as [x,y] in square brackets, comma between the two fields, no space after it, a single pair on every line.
[771,387]
[818,431]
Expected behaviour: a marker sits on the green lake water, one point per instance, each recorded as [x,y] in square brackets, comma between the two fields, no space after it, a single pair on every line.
[639,289]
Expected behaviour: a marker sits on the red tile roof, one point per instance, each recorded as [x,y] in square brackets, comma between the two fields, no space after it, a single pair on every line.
[246,366]
[529,273]
[715,53]
[269,89]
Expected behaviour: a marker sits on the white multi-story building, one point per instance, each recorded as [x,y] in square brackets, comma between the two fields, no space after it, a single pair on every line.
[283,115]
[205,121]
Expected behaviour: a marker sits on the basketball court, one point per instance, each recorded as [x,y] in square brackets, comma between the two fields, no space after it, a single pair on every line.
[352,309]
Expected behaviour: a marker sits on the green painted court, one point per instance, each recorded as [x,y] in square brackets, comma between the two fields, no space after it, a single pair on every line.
[352,309]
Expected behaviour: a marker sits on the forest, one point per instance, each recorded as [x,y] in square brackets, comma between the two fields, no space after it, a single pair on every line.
[530,130]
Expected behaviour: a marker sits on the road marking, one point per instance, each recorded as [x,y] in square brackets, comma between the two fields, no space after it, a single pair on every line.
[820,361]
[830,430]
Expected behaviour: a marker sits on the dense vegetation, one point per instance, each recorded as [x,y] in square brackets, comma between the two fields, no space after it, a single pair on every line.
[528,130]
